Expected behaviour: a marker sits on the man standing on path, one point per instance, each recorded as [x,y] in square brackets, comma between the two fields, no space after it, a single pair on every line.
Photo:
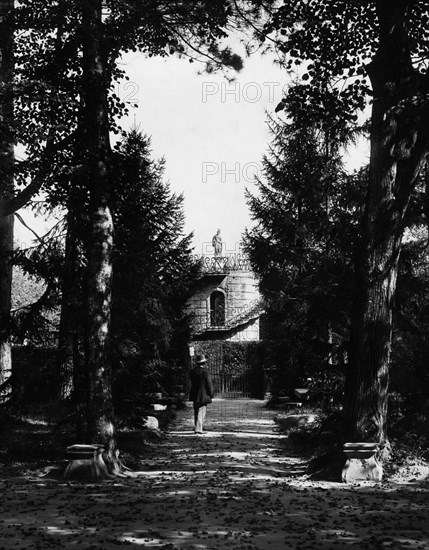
[201,392]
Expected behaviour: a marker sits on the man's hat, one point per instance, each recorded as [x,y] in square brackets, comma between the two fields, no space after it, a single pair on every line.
[200,359]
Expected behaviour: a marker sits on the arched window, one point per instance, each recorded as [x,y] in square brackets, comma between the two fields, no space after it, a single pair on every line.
[217,308]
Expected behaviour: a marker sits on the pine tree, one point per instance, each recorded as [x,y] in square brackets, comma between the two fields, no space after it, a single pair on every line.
[153,272]
[301,249]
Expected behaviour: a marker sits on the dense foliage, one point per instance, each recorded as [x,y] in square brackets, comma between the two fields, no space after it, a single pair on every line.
[409,404]
[61,81]
[153,274]
[350,54]
[306,216]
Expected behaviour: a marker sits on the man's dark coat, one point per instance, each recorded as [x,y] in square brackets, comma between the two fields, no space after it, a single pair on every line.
[201,386]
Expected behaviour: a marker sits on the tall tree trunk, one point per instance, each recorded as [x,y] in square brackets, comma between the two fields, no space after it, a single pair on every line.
[96,81]
[399,142]
[68,321]
[6,249]
[6,182]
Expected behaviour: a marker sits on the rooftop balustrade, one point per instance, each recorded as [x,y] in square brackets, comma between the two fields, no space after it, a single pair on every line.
[223,264]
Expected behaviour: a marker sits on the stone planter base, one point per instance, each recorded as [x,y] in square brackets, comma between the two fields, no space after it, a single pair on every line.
[85,462]
[361,464]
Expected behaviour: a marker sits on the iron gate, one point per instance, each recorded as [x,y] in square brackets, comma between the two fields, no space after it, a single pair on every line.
[230,381]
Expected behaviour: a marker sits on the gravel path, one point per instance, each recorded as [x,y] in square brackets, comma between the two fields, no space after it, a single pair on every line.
[240,486]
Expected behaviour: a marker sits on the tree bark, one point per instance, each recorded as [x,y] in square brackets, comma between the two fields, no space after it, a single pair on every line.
[6,182]
[95,126]
[68,322]
[399,143]
[6,249]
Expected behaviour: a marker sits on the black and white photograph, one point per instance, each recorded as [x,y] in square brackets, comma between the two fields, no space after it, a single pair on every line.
[214,274]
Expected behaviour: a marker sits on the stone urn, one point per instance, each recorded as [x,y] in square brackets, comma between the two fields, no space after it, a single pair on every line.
[361,463]
[85,462]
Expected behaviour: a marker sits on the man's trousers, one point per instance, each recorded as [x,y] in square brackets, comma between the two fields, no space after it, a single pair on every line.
[199,417]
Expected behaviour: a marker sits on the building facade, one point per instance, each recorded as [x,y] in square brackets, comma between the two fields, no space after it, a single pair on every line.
[226,304]
[225,310]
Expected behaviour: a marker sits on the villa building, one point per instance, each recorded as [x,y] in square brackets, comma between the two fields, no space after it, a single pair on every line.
[226,310]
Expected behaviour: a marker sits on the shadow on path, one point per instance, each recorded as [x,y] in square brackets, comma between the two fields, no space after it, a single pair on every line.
[240,436]
[238,487]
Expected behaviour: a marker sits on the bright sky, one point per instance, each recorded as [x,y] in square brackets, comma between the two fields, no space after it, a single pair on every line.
[212,133]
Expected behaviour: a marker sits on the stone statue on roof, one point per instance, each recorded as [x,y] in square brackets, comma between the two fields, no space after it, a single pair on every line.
[217,244]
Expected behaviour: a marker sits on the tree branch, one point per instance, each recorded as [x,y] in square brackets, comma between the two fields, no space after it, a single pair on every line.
[10,206]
